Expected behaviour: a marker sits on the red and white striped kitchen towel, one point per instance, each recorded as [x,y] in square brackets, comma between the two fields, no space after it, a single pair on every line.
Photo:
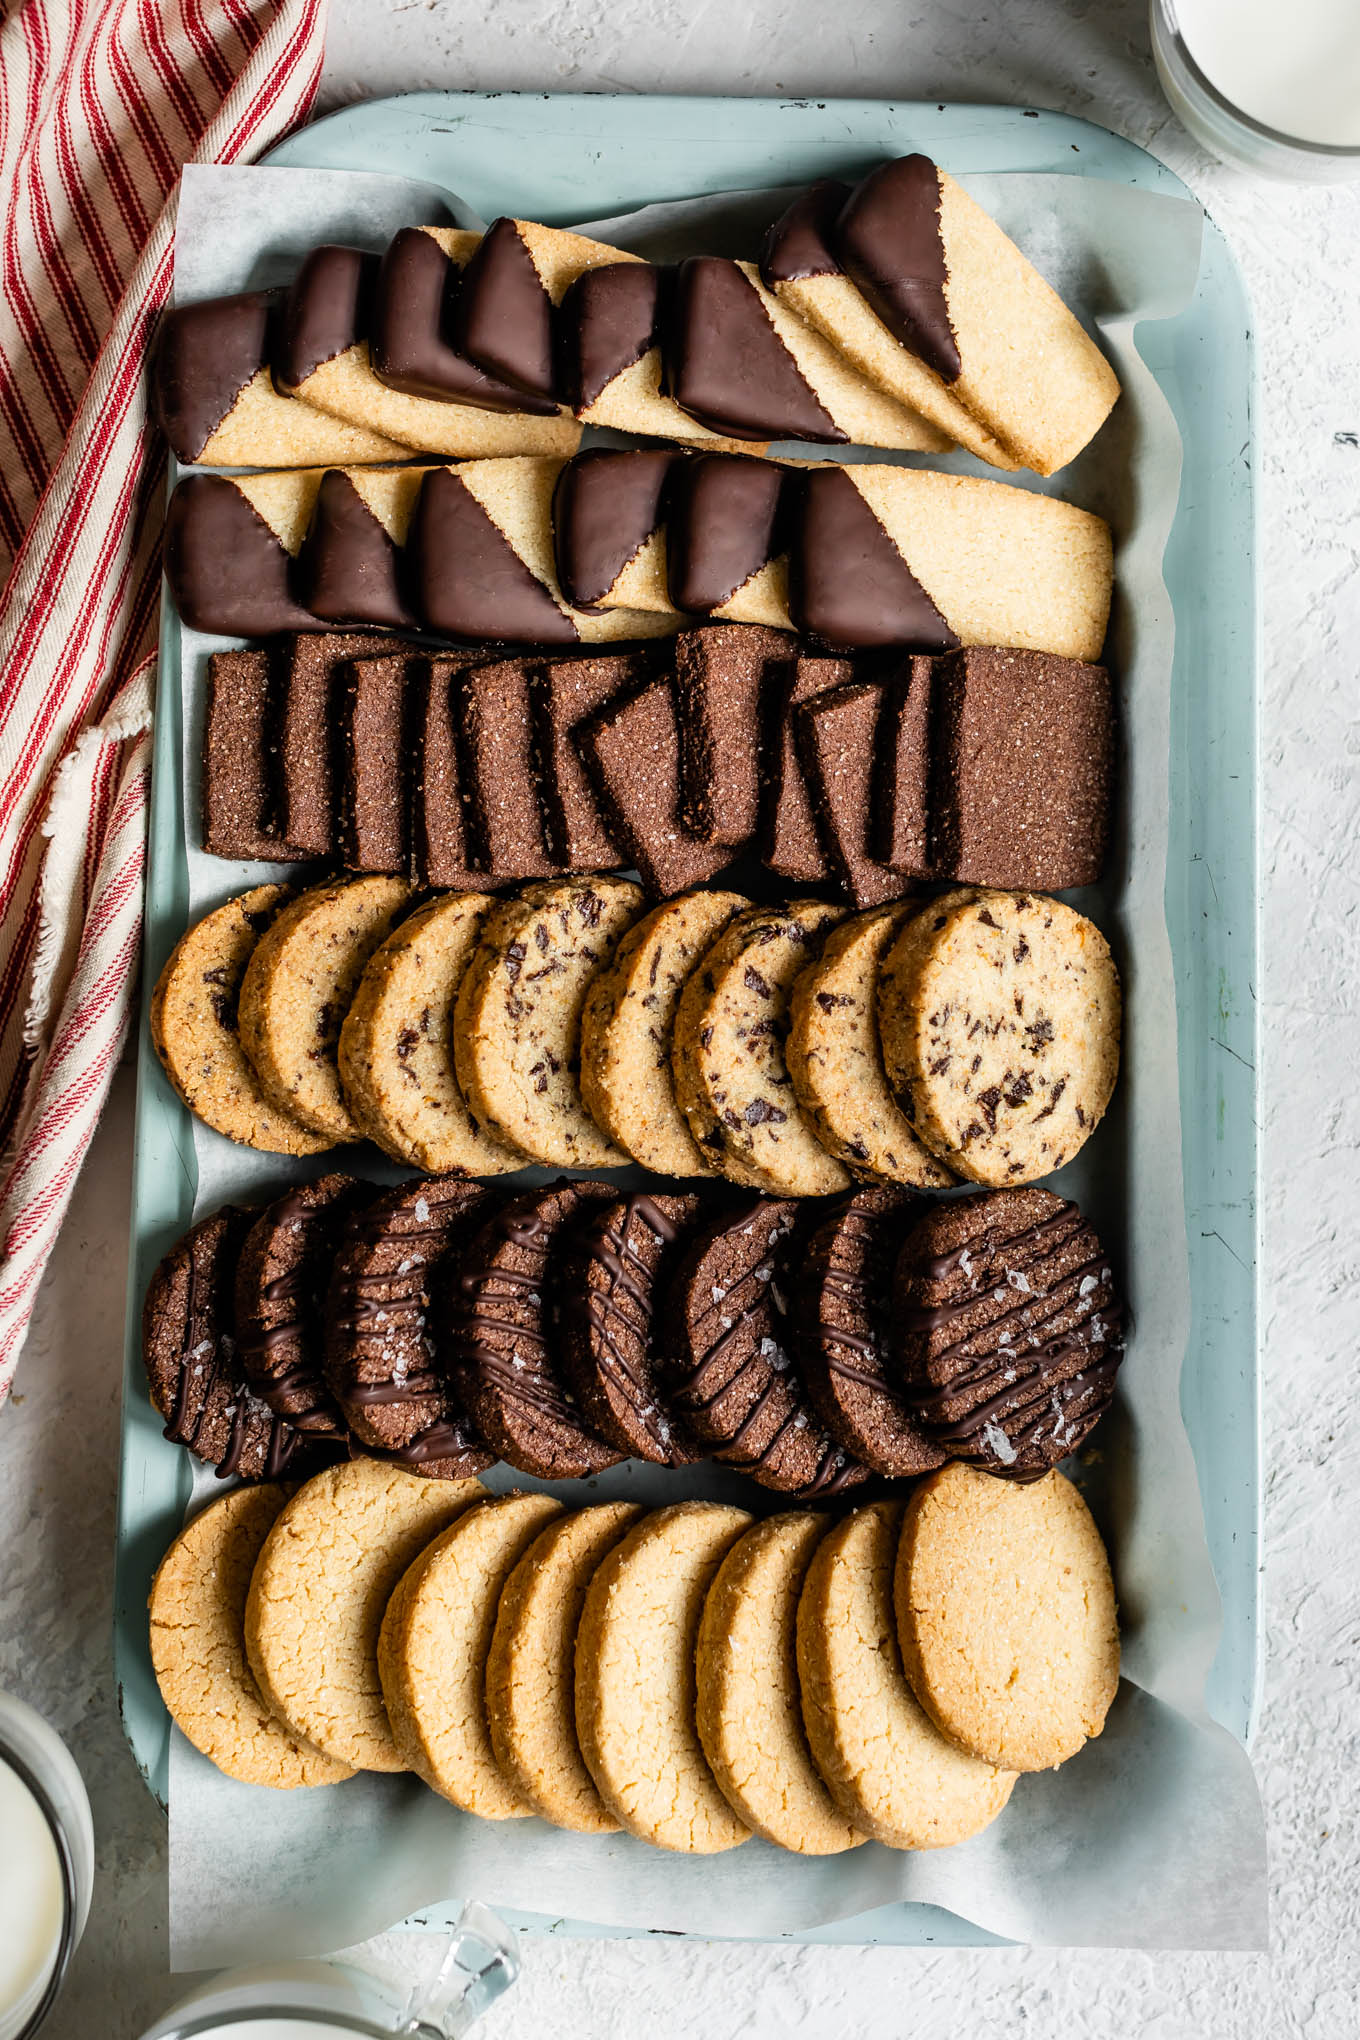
[101,102]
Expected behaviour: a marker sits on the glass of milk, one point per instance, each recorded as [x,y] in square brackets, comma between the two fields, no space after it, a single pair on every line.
[46,1866]
[334,2001]
[1272,89]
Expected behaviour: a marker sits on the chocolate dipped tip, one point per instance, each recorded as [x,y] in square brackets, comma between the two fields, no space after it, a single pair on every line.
[606,506]
[503,315]
[799,242]
[727,366]
[850,586]
[411,343]
[205,355]
[326,310]
[609,318]
[725,520]
[889,242]
[469,580]
[349,570]
[228,573]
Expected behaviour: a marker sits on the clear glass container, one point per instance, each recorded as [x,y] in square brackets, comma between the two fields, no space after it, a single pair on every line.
[1225,129]
[334,2001]
[46,1866]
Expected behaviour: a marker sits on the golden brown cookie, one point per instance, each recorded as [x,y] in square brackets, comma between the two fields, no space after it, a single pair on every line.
[193,1028]
[517,1025]
[836,1064]
[198,1653]
[627,1024]
[396,1044]
[635,1693]
[885,1764]
[297,988]
[1006,1616]
[999,1017]
[433,1649]
[322,1582]
[530,1672]
[749,1711]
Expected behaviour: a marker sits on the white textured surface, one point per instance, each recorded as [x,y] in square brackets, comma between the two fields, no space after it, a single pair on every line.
[58,1442]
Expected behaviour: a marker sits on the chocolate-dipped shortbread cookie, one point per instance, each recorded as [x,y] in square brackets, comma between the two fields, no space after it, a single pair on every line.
[1010,1329]
[728,1364]
[380,1349]
[193,1366]
[613,1268]
[842,1318]
[500,1323]
[282,1274]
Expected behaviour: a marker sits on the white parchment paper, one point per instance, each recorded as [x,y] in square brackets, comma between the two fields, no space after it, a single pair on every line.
[1153,1837]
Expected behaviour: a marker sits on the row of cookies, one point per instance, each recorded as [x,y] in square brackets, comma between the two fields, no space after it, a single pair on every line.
[439,1325]
[874,316]
[532,549]
[686,1675]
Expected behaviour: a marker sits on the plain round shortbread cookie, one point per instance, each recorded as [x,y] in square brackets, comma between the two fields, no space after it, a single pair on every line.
[884,1762]
[317,1597]
[296,992]
[999,1019]
[530,1672]
[635,1692]
[194,1030]
[1006,1615]
[433,1649]
[836,1064]
[396,1045]
[198,1653]
[626,1027]
[731,1080]
[749,1711]
[517,1025]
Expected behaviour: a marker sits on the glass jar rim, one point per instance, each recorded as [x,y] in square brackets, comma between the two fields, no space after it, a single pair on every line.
[203,2024]
[1336,152]
[66,1943]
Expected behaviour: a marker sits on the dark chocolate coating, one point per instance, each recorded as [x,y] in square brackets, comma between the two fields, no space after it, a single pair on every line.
[888,239]
[501,1332]
[849,585]
[837,735]
[503,316]
[326,309]
[799,242]
[411,345]
[228,574]
[348,569]
[607,320]
[842,1319]
[1009,1329]
[606,506]
[468,579]
[725,520]
[281,1279]
[632,752]
[205,355]
[727,366]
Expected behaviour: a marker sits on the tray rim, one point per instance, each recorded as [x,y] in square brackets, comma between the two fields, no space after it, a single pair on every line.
[988,137]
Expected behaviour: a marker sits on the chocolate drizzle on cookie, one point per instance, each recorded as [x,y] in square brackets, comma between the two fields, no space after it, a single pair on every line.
[608,320]
[727,366]
[411,344]
[724,521]
[326,309]
[851,587]
[348,570]
[280,1286]
[889,241]
[205,356]
[605,508]
[471,582]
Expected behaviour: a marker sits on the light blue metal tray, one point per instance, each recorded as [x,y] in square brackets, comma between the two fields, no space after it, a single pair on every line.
[575,157]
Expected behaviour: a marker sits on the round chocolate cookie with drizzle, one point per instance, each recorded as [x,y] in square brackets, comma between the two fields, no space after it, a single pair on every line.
[728,1355]
[193,1367]
[1010,1329]
[281,1278]
[381,1361]
[842,1315]
[502,1336]
[613,1268]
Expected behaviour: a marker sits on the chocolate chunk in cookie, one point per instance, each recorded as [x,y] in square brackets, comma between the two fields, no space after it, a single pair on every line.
[1010,1329]
[721,680]
[193,1367]
[282,1275]
[614,1267]
[632,751]
[382,1363]
[842,1319]
[728,1361]
[500,1324]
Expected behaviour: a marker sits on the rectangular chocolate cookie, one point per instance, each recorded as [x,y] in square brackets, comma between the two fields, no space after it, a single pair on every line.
[791,841]
[374,832]
[562,694]
[505,823]
[238,738]
[899,835]
[441,853]
[722,700]
[837,734]
[632,750]
[308,762]
[1022,753]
